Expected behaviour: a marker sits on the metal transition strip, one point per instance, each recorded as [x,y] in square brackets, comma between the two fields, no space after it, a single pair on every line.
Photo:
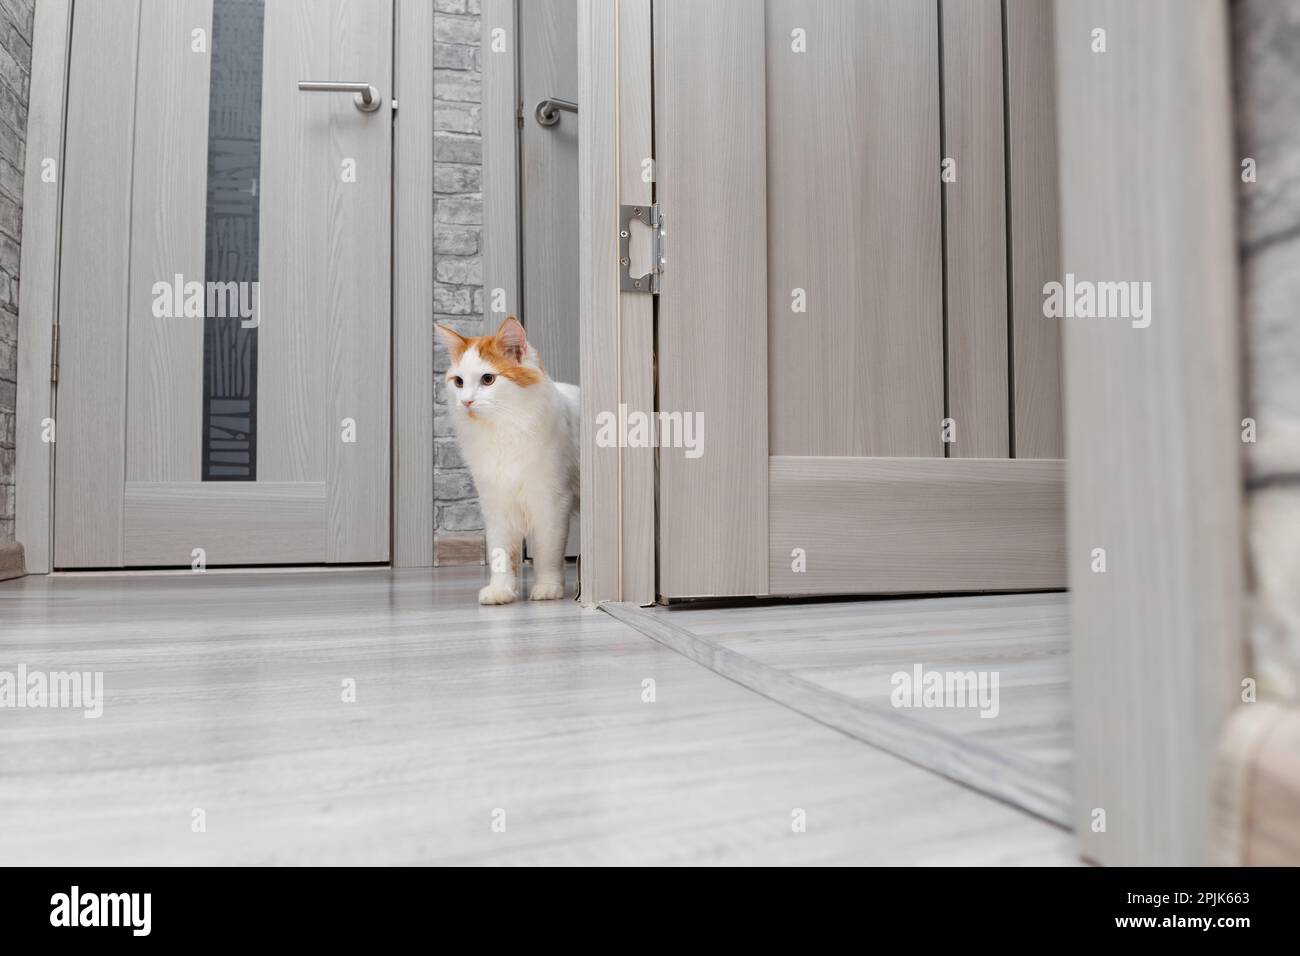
[1002,777]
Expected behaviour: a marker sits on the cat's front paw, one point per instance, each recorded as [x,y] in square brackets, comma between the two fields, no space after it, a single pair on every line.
[547,591]
[497,594]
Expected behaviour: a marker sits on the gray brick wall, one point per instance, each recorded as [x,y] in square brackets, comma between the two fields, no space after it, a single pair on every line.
[15,82]
[1267,109]
[458,236]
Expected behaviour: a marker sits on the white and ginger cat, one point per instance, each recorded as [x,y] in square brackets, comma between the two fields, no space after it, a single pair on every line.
[518,431]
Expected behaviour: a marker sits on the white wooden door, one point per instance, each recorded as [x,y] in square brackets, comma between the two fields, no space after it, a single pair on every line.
[224,309]
[860,337]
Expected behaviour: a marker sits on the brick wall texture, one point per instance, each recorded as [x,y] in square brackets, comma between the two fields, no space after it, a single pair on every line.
[458,236]
[1267,109]
[15,82]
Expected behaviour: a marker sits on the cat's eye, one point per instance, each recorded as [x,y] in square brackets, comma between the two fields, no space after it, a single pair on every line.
[458,381]
[488,379]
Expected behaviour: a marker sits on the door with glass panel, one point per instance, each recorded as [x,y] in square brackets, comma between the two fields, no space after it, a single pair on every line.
[224,311]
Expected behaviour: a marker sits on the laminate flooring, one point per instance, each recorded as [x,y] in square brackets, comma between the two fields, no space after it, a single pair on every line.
[384,717]
[1002,724]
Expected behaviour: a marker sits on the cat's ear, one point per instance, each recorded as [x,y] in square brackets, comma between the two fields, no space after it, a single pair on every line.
[511,339]
[453,340]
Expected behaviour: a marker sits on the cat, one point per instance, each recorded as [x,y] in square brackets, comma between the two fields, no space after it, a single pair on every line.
[518,432]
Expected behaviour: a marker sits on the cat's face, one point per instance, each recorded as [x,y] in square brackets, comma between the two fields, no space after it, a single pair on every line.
[489,373]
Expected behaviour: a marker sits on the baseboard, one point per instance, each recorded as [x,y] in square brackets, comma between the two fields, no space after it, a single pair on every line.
[455,549]
[11,561]
[1256,812]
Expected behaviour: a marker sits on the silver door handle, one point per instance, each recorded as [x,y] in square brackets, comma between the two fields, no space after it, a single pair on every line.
[548,111]
[365,96]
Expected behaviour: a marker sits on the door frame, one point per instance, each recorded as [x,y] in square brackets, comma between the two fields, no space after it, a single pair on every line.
[1158,641]
[617,337]
[1181,527]
[412,278]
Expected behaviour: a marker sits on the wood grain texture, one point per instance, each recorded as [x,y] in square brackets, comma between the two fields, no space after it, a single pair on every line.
[1035,240]
[836,663]
[548,193]
[222,691]
[598,298]
[299,205]
[456,549]
[164,381]
[38,291]
[501,268]
[853,202]
[357,270]
[880,525]
[234,522]
[93,280]
[975,228]
[1154,450]
[325,273]
[548,178]
[636,314]
[710,132]
[413,288]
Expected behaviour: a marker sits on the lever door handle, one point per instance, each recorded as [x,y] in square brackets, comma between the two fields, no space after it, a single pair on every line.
[365,96]
[548,110]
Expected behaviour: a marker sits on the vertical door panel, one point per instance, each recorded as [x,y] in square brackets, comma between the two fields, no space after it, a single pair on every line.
[296,292]
[1035,234]
[97,177]
[358,260]
[712,181]
[164,427]
[323,348]
[854,222]
[975,228]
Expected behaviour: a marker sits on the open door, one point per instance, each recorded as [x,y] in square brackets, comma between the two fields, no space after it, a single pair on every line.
[862,207]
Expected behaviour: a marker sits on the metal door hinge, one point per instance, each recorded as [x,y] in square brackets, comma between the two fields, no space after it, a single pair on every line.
[653,217]
[54,353]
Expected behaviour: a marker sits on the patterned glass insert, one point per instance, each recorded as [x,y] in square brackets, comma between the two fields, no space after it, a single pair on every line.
[233,222]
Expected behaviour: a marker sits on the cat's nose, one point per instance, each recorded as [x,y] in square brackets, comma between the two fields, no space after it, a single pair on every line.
[467,402]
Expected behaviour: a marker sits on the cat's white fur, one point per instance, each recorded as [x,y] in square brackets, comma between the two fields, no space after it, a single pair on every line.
[521,445]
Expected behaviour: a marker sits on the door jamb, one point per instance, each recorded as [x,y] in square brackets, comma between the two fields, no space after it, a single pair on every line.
[1158,640]
[39,289]
[411,418]
[616,329]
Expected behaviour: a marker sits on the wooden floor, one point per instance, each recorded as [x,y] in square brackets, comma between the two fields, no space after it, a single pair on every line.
[223,693]
[836,661]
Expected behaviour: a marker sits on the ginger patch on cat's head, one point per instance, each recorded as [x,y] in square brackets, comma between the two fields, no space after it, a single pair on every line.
[506,353]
